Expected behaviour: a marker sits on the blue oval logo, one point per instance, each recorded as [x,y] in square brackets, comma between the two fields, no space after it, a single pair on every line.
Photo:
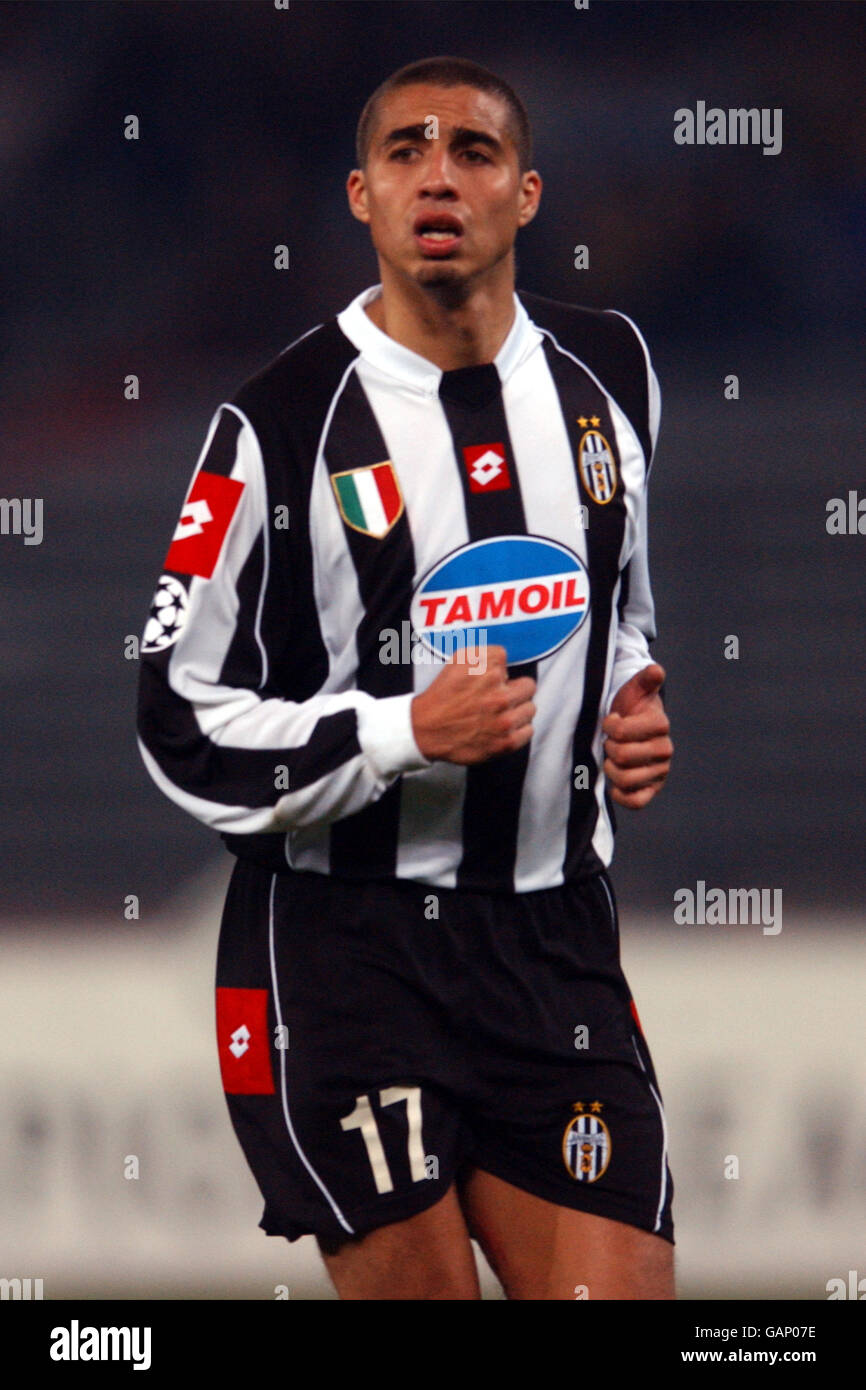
[525,593]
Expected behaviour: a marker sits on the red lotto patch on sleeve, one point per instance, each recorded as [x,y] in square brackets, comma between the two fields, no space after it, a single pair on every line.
[244,1043]
[204,521]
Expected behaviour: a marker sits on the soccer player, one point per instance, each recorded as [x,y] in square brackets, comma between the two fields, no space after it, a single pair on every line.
[399,658]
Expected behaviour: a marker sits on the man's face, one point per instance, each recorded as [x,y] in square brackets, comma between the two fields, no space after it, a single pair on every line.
[442,192]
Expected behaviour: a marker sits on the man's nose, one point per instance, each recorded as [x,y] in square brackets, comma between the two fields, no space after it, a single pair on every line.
[438,175]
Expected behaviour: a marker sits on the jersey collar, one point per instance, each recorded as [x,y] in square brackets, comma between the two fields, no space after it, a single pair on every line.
[407,366]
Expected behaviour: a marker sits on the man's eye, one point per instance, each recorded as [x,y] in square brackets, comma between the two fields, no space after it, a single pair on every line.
[477,154]
[404,150]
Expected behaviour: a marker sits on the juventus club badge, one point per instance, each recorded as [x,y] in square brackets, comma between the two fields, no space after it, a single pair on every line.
[586,1143]
[597,466]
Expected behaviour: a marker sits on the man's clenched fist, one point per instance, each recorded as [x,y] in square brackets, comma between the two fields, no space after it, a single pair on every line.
[468,715]
[637,747]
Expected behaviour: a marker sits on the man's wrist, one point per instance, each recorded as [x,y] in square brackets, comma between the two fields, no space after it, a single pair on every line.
[387,736]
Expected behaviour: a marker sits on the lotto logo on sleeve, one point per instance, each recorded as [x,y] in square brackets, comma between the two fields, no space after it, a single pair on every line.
[204,521]
[244,1042]
[525,593]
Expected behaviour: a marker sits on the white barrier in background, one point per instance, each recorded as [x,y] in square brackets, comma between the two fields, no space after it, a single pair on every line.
[108,1052]
[760,1048]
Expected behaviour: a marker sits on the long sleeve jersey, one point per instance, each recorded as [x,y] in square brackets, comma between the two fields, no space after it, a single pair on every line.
[356,517]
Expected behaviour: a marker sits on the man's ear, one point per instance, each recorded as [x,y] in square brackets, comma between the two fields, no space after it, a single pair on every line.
[531,187]
[356,190]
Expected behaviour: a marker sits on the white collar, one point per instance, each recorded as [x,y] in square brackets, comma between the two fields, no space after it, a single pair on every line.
[398,361]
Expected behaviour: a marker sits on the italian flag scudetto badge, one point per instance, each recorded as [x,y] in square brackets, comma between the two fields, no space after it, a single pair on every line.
[369,498]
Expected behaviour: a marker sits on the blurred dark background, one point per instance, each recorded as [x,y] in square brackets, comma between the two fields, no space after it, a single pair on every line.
[156,257]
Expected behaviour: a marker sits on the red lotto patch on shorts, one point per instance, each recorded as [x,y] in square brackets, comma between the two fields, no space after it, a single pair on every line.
[204,521]
[244,1043]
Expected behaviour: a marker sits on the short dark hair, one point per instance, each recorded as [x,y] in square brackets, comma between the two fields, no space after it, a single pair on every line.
[449,72]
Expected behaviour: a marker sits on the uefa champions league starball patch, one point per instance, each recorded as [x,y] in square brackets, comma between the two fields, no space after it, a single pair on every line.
[167,615]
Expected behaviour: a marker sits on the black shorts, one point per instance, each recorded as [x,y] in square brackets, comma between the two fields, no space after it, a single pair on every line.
[377,1040]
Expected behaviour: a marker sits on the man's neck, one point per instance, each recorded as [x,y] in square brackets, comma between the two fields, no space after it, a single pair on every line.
[449,336]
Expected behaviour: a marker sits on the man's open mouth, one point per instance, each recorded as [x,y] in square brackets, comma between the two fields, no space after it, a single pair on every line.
[438,232]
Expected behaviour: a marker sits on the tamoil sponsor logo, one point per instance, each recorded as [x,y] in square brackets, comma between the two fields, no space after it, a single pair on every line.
[526,593]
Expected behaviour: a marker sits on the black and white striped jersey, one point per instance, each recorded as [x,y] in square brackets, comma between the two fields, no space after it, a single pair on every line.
[356,515]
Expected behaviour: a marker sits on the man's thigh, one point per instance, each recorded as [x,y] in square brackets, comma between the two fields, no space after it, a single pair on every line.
[428,1256]
[539,1250]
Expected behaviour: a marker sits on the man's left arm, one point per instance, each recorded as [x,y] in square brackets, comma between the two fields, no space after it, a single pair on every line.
[637,746]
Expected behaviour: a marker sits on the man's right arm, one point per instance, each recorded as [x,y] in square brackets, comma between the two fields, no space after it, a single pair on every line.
[223,748]
[471,713]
